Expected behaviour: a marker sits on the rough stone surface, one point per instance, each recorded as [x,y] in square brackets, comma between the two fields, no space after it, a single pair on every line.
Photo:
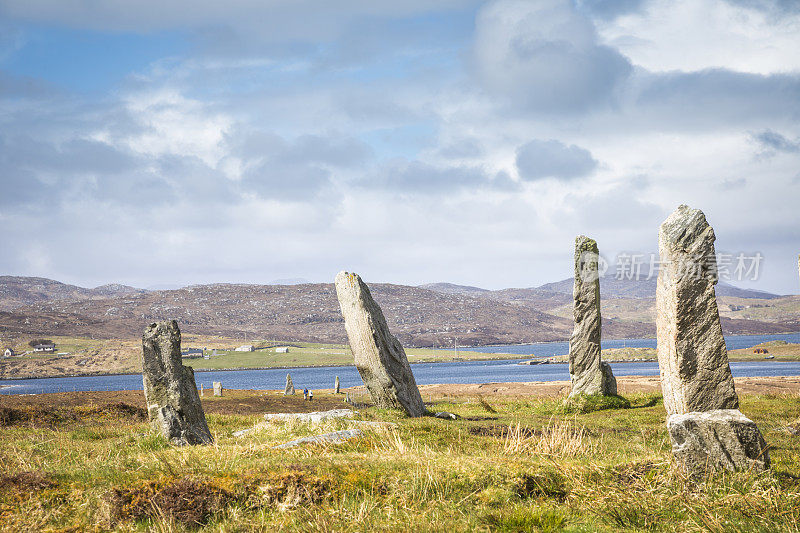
[336,385]
[586,371]
[717,440]
[609,381]
[313,418]
[217,388]
[289,390]
[335,437]
[378,355]
[692,357]
[173,405]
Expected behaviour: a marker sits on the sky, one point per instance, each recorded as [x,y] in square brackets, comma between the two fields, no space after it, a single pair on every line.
[187,142]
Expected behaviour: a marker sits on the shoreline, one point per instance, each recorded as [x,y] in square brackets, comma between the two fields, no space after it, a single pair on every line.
[782,385]
[522,361]
[521,358]
[473,347]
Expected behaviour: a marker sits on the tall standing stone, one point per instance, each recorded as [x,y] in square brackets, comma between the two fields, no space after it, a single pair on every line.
[587,372]
[692,356]
[706,428]
[170,391]
[289,389]
[379,356]
[336,385]
[217,388]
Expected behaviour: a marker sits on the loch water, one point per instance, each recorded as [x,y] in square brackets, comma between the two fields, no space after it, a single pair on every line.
[498,371]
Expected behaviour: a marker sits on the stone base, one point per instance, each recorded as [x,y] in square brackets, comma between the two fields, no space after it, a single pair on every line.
[723,439]
[600,382]
[177,431]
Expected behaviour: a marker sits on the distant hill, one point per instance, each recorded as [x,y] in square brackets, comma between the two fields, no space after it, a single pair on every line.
[419,317]
[610,287]
[451,288]
[289,281]
[19,291]
[433,315]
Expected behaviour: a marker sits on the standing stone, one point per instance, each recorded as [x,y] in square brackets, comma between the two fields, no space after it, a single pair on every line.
[336,385]
[217,388]
[170,391]
[692,356]
[706,428]
[378,355]
[588,373]
[289,389]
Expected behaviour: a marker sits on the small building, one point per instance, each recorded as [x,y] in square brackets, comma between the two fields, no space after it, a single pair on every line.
[8,353]
[245,348]
[45,348]
[192,352]
[282,349]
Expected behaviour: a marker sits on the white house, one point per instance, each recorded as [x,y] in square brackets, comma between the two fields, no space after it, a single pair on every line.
[8,353]
[46,348]
[245,348]
[282,349]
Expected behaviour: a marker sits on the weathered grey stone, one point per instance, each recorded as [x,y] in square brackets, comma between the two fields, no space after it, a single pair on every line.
[313,418]
[609,381]
[723,439]
[173,405]
[446,415]
[217,388]
[334,437]
[378,355]
[586,371]
[336,385]
[289,390]
[692,357]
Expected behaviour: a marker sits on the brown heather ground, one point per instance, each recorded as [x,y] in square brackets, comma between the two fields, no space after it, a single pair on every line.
[516,461]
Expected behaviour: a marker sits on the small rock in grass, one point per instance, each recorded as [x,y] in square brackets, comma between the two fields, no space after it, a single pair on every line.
[333,438]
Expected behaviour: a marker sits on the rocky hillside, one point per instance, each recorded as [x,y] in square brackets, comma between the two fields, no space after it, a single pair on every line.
[419,316]
[19,291]
[308,312]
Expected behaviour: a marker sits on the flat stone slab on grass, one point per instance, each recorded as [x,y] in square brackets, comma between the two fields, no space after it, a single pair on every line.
[717,440]
[314,418]
[368,424]
[335,437]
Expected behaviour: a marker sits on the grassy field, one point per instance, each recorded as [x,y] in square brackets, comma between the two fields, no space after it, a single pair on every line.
[779,350]
[511,464]
[310,354]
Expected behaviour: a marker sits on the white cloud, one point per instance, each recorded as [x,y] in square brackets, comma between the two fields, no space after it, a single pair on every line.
[691,35]
[545,55]
[174,124]
[308,163]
